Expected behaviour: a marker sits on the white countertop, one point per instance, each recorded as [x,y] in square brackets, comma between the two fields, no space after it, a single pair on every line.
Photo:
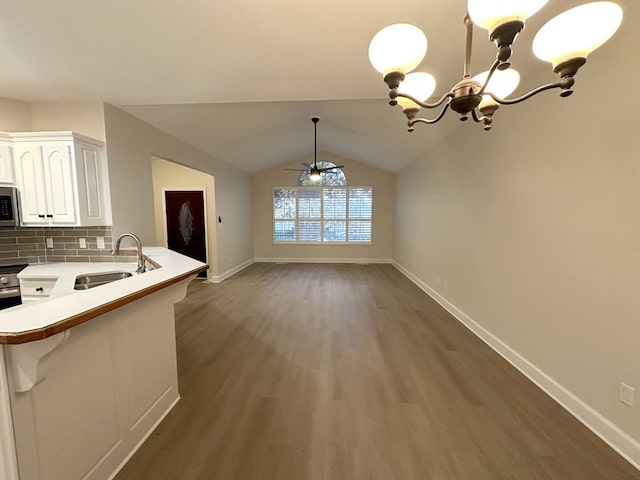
[65,302]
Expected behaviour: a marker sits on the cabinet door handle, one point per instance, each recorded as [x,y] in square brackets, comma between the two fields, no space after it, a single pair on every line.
[49,215]
[39,289]
[40,216]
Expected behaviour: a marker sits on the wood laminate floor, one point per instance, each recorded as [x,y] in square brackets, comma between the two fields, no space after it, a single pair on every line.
[350,372]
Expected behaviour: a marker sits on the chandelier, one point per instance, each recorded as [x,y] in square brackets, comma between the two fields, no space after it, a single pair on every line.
[564,41]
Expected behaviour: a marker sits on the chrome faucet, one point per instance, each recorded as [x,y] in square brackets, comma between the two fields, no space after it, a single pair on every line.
[116,250]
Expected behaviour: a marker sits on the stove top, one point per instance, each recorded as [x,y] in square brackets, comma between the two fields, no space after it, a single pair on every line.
[12,268]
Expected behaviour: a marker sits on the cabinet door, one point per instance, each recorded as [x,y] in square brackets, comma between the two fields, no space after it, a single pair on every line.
[90,185]
[59,184]
[6,165]
[30,182]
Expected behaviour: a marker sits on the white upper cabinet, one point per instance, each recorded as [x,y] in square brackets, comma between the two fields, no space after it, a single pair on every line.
[62,179]
[59,184]
[30,169]
[6,161]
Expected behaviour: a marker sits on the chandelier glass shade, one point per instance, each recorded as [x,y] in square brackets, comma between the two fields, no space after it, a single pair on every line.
[590,25]
[397,48]
[502,84]
[417,85]
[565,41]
[489,14]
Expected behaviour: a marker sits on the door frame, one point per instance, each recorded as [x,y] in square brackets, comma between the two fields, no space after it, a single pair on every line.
[165,237]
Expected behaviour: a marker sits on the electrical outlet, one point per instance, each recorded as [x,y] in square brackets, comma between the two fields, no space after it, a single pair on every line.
[82,242]
[100,242]
[626,394]
[49,242]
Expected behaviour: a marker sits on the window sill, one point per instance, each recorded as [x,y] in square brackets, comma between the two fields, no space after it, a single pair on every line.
[326,244]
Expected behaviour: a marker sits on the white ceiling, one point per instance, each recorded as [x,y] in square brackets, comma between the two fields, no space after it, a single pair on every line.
[241,80]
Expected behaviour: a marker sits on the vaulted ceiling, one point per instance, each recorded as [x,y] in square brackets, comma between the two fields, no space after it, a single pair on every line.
[241,80]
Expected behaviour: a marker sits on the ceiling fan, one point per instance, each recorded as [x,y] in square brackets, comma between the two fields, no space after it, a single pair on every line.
[314,171]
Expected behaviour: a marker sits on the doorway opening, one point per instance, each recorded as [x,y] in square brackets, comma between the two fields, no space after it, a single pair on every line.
[184,204]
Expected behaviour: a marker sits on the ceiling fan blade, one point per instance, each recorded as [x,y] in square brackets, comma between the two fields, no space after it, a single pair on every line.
[328,169]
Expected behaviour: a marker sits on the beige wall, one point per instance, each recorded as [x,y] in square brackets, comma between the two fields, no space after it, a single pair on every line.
[86,118]
[131,146]
[15,116]
[172,176]
[357,175]
[533,229]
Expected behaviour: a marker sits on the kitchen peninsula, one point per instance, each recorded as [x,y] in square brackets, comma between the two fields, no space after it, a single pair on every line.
[85,376]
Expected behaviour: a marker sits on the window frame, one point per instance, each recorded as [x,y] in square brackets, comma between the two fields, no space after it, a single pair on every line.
[322,219]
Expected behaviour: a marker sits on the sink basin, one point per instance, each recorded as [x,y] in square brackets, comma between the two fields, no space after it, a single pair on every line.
[85,282]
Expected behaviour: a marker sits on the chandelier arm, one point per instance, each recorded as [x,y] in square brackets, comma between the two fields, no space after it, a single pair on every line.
[469,46]
[526,96]
[476,118]
[413,121]
[444,98]
[493,68]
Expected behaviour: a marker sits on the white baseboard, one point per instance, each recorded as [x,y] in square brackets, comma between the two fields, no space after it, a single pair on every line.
[230,272]
[321,260]
[242,266]
[621,442]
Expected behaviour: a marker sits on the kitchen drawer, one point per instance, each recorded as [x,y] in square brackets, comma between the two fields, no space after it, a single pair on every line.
[36,287]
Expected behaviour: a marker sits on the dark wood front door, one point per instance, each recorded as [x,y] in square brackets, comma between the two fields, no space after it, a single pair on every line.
[185,224]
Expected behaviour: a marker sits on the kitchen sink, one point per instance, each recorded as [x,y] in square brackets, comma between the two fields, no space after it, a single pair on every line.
[85,282]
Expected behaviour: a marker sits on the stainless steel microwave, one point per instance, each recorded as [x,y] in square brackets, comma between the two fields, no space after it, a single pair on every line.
[9,213]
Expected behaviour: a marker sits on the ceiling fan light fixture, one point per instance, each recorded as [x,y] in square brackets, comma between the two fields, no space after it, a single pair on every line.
[577,32]
[314,175]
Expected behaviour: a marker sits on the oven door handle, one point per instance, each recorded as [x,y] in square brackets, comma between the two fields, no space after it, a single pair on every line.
[10,292]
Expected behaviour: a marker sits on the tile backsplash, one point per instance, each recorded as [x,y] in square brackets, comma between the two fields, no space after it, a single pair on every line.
[58,244]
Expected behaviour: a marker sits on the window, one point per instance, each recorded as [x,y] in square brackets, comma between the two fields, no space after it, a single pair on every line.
[322,214]
[284,214]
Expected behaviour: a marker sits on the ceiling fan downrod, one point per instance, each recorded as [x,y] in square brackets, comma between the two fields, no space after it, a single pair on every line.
[314,171]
